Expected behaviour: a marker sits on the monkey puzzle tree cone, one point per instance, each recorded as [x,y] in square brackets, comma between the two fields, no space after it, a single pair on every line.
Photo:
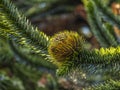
[65,45]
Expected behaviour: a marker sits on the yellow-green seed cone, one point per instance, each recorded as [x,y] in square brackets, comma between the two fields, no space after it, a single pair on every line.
[64,45]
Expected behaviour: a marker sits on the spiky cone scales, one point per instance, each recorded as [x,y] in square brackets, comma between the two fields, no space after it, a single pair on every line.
[64,46]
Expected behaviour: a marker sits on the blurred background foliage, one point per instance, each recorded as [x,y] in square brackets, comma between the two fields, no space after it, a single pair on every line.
[50,16]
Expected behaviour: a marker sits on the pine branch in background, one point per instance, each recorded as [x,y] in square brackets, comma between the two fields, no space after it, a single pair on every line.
[94,25]
[107,13]
[110,30]
[64,8]
[46,6]
[98,28]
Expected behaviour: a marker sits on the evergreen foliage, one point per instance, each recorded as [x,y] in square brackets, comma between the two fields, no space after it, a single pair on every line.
[27,52]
